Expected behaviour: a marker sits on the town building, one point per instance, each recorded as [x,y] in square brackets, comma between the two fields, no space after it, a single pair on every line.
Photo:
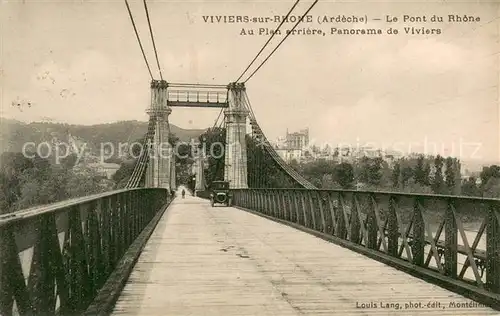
[297,140]
[293,146]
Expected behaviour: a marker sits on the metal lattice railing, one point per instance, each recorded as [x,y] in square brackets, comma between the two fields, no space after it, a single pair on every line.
[450,240]
[197,96]
[55,258]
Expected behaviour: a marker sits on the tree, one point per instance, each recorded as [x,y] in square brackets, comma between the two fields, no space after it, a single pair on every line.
[344,175]
[295,164]
[184,163]
[191,184]
[29,195]
[4,189]
[213,142]
[183,173]
[56,188]
[492,188]
[449,175]
[438,182]
[406,175]
[12,166]
[413,187]
[265,172]
[371,170]
[85,182]
[116,160]
[487,173]
[396,171]
[419,172]
[316,171]
[327,182]
[70,161]
[46,188]
[427,172]
[27,182]
[183,153]
[123,174]
[318,168]
[173,139]
[470,188]
[137,148]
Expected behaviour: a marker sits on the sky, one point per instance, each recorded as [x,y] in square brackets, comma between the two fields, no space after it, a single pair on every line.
[79,62]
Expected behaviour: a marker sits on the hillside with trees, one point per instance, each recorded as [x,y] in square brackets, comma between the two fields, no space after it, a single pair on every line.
[27,182]
[14,134]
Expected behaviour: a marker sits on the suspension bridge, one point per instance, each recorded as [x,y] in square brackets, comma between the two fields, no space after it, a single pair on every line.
[284,247]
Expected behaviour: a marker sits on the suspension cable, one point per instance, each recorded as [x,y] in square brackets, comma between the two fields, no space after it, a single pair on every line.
[288,34]
[222,122]
[139,40]
[152,38]
[269,40]
[217,120]
[247,99]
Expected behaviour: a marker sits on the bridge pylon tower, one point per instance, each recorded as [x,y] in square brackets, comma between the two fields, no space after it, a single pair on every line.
[160,171]
[199,170]
[235,116]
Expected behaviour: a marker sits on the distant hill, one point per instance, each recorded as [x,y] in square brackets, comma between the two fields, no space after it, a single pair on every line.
[13,133]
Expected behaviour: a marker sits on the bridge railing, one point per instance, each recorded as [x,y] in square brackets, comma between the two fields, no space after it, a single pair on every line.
[197,96]
[452,240]
[55,258]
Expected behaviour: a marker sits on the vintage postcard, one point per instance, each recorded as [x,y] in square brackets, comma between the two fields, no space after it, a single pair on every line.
[260,157]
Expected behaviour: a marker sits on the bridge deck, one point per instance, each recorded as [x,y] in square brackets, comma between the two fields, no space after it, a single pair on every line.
[223,261]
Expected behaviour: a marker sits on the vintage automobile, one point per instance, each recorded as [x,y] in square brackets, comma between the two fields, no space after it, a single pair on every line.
[220,193]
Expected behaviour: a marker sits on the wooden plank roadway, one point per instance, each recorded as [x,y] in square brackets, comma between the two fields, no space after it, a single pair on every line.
[224,261]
